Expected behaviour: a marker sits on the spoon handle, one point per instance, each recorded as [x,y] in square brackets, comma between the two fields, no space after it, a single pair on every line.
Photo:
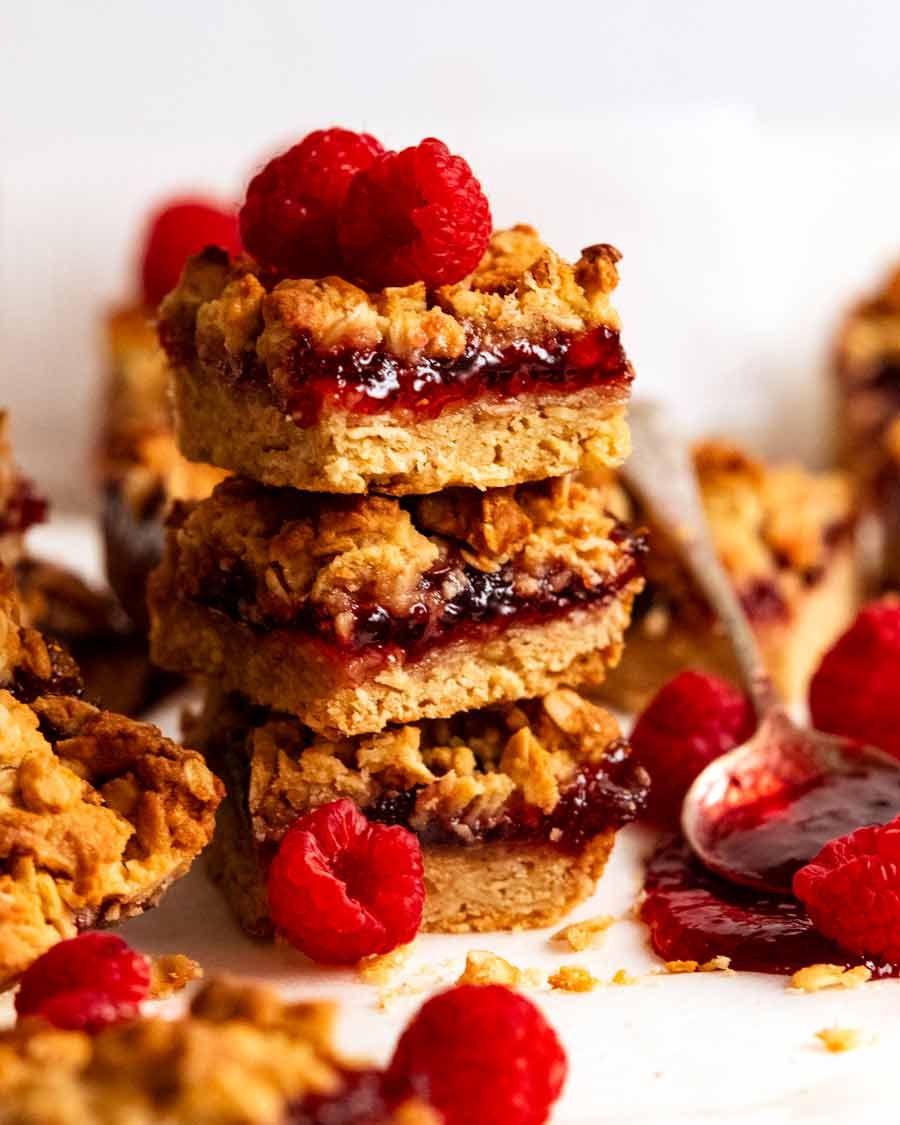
[660,472]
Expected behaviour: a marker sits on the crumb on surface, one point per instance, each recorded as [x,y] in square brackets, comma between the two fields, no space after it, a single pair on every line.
[717,965]
[572,978]
[483,967]
[379,970]
[816,977]
[838,1039]
[170,973]
[585,934]
[682,966]
[622,976]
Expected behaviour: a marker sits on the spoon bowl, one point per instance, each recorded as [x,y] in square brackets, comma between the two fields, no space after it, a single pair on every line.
[760,812]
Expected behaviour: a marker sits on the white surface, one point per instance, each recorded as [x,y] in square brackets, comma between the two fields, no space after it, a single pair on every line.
[688,1049]
[742,155]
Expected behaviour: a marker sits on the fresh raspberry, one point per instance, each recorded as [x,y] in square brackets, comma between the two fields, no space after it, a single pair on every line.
[856,689]
[86,982]
[690,721]
[480,1053]
[176,230]
[341,888]
[288,220]
[851,891]
[415,215]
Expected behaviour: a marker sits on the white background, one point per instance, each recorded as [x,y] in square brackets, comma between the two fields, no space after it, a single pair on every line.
[744,157]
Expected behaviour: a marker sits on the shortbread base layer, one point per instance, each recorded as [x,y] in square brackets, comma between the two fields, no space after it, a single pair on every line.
[489,443]
[659,645]
[292,672]
[469,888]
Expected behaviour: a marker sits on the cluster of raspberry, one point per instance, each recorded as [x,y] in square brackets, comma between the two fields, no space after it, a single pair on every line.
[394,591]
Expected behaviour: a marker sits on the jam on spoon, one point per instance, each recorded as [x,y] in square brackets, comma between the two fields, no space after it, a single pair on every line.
[761,811]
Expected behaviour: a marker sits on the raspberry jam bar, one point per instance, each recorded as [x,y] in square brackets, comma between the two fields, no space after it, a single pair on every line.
[867,374]
[515,807]
[140,467]
[515,373]
[355,612]
[786,537]
[240,1056]
[98,814]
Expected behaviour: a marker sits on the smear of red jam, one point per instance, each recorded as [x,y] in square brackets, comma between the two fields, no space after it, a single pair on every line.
[23,508]
[602,796]
[375,381]
[695,916]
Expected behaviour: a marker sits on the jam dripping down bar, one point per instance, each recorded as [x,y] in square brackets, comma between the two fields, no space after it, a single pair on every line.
[98,813]
[786,538]
[516,807]
[515,373]
[356,612]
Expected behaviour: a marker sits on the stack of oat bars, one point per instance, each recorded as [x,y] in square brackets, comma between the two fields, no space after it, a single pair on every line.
[394,596]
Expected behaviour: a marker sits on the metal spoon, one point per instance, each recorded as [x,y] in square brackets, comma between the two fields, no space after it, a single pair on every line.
[758,813]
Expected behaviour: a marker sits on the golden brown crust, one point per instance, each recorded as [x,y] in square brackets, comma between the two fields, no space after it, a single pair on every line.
[482,444]
[98,814]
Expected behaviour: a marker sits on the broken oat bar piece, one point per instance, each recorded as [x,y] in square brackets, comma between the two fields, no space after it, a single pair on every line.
[786,538]
[140,468]
[356,612]
[240,1056]
[516,807]
[515,373]
[866,369]
[98,813]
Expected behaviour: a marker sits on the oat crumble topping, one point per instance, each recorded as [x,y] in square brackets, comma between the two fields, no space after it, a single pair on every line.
[228,314]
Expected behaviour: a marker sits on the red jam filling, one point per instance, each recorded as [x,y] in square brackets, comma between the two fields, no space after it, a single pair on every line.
[454,599]
[374,382]
[602,796]
[695,916]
